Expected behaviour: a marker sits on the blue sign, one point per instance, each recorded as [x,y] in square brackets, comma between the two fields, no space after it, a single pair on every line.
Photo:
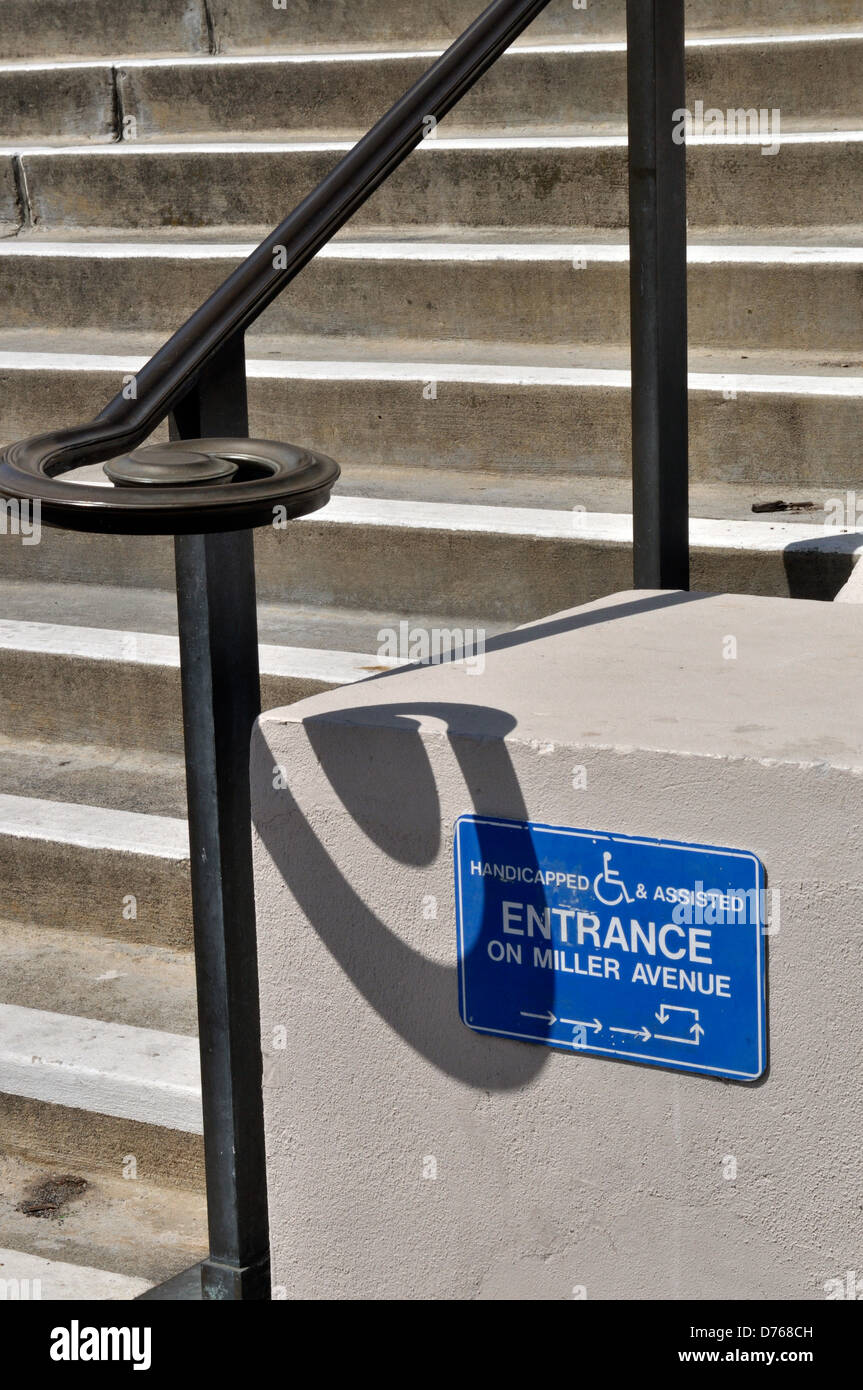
[646,950]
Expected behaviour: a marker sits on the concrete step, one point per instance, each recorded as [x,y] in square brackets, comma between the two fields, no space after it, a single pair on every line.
[109,1096]
[62,28]
[305,25]
[112,1242]
[559,88]
[89,869]
[314,627]
[92,773]
[84,28]
[577,184]
[99,1057]
[763,419]
[814,82]
[742,297]
[63,101]
[80,685]
[140,1074]
[473,563]
[742,502]
[96,977]
[69,1134]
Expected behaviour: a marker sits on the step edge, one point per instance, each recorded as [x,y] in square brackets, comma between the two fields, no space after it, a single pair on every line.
[128,1072]
[94,828]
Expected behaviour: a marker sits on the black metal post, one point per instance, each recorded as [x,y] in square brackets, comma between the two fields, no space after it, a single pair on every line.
[656,82]
[221,700]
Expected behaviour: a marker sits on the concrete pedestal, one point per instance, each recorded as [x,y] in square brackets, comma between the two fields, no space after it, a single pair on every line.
[411,1157]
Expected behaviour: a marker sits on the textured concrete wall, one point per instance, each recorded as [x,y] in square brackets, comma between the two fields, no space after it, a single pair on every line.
[558,1175]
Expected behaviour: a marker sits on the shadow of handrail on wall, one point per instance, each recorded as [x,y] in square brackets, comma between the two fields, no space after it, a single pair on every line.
[394,801]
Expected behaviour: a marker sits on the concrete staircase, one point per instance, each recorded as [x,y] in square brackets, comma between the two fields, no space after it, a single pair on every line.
[461,349]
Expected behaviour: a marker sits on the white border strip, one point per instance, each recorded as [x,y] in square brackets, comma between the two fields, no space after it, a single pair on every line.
[474,374]
[155,649]
[609,527]
[105,1068]
[63,1282]
[194,149]
[427,251]
[93,827]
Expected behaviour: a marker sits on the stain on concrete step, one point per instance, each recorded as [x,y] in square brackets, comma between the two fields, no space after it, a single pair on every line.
[47,1197]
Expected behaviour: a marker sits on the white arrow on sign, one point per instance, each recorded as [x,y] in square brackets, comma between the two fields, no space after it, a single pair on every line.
[666,1009]
[643,1033]
[596,1026]
[546,1018]
[691,1042]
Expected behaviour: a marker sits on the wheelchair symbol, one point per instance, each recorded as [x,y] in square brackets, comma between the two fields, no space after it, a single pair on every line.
[610,878]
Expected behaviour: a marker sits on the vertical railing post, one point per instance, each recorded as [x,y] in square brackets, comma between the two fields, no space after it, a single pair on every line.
[656,82]
[221,700]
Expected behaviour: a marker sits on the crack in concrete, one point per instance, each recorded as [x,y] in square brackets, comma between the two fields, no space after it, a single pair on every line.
[118,105]
[213,40]
[22,195]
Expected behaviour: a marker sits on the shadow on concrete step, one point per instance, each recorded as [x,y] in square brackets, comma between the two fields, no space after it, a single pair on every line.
[823,579]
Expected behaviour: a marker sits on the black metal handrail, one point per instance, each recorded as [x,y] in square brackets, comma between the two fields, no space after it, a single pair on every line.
[31,469]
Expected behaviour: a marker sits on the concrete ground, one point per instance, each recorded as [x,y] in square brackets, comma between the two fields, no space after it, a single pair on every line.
[116,1226]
